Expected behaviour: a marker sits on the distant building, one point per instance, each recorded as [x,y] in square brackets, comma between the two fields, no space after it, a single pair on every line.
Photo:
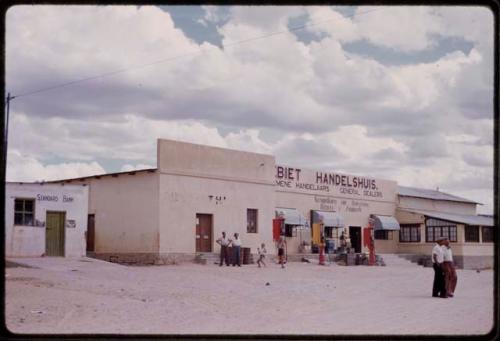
[45,219]
[180,208]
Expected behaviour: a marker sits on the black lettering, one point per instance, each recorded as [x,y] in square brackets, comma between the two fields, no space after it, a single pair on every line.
[343,180]
[331,179]
[348,182]
[337,179]
[298,172]
[290,173]
[280,172]
[319,177]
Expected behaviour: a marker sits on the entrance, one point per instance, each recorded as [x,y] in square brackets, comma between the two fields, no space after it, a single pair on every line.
[203,232]
[90,232]
[54,233]
[355,235]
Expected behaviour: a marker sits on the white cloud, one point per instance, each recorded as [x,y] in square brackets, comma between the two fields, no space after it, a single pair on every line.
[24,168]
[326,107]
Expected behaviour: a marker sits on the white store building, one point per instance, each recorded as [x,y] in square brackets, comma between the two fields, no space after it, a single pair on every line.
[45,219]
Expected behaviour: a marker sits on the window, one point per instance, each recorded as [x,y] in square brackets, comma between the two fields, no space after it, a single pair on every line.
[24,212]
[471,233]
[383,234]
[290,231]
[436,228]
[331,232]
[251,220]
[409,233]
[487,232]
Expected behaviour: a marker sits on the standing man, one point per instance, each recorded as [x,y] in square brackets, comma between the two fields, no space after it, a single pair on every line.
[438,289]
[236,243]
[223,242]
[281,245]
[450,274]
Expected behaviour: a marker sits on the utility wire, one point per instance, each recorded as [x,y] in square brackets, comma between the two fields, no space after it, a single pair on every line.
[224,46]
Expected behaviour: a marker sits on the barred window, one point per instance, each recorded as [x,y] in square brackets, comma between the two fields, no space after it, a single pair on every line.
[471,233]
[436,228]
[409,233]
[487,232]
[24,212]
[383,234]
[251,220]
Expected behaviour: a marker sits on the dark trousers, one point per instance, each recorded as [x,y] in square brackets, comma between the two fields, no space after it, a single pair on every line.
[438,288]
[223,255]
[236,257]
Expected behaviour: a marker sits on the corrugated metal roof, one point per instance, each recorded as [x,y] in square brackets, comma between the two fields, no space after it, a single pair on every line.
[384,222]
[430,194]
[456,218]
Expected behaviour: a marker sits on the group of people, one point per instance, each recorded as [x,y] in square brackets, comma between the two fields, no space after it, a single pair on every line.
[226,242]
[445,276]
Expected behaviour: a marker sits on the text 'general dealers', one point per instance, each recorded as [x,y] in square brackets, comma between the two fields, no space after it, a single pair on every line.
[289,177]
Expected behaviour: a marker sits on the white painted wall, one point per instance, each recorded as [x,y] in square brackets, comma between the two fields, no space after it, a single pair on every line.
[29,241]
[126,212]
[191,173]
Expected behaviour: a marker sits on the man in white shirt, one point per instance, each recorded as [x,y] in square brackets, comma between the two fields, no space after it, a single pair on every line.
[236,243]
[438,286]
[223,242]
[450,274]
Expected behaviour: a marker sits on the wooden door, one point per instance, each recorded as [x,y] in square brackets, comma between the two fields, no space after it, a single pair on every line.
[90,232]
[355,235]
[203,233]
[55,233]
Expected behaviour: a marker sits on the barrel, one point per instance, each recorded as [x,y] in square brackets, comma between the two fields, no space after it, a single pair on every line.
[246,255]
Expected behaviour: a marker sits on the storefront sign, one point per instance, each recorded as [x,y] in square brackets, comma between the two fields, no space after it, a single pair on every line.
[303,180]
[54,198]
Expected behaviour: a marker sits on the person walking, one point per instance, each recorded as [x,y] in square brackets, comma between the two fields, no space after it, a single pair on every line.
[450,274]
[438,289]
[262,254]
[223,242]
[236,243]
[281,245]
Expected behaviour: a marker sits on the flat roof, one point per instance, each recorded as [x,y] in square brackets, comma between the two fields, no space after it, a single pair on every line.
[97,176]
[431,194]
[456,218]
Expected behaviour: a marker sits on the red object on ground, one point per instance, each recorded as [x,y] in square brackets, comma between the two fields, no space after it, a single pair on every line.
[369,243]
[322,254]
[277,224]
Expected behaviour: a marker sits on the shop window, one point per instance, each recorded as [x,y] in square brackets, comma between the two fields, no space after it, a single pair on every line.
[471,233]
[409,233]
[382,234]
[290,231]
[24,212]
[331,232]
[436,228]
[487,232]
[251,220]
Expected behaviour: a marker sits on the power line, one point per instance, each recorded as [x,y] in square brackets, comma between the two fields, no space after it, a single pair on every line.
[224,46]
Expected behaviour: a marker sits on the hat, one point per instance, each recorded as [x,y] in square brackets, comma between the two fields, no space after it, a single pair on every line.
[441,239]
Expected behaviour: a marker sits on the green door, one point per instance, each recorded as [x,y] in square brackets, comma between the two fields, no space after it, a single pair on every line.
[54,234]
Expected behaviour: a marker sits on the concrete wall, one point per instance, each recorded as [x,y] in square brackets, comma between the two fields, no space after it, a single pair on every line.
[126,212]
[436,205]
[29,241]
[209,180]
[182,197]
[307,192]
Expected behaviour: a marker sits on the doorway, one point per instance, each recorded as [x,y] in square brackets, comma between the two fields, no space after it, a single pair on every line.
[355,235]
[90,232]
[55,233]
[203,232]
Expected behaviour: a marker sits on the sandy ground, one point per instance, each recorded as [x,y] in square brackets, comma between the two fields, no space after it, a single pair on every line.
[92,296]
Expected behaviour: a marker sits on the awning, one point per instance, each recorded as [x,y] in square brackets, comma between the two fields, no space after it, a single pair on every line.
[332,219]
[384,222]
[467,219]
[292,216]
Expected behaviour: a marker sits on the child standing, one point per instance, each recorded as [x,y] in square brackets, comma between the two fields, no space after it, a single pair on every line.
[262,254]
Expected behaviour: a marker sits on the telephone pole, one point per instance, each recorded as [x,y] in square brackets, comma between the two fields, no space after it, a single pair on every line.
[6,134]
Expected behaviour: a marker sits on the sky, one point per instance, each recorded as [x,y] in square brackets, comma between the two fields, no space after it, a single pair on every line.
[398,93]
